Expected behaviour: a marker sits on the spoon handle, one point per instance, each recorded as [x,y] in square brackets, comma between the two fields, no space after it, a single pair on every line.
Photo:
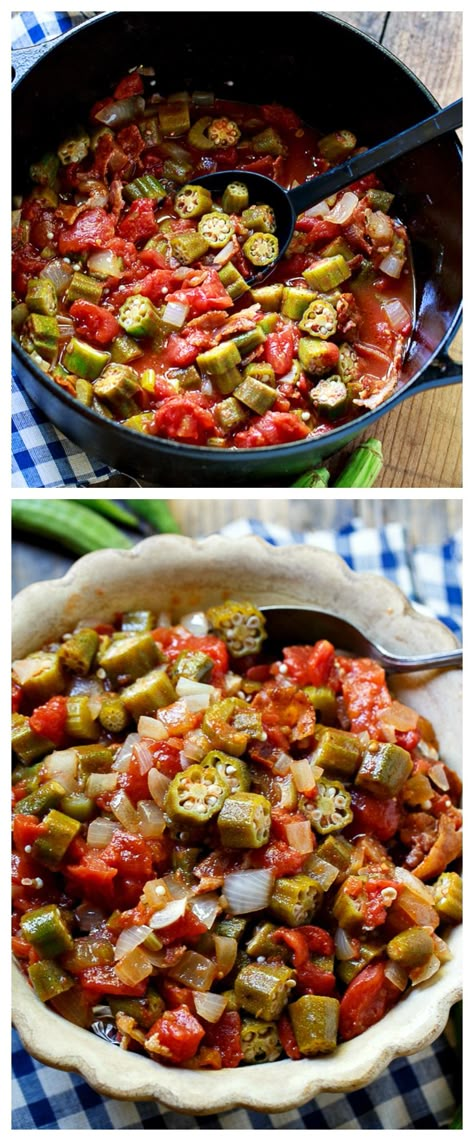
[316,189]
[453,658]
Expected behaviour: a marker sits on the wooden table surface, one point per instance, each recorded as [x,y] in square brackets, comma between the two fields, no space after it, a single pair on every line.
[421,439]
[430,521]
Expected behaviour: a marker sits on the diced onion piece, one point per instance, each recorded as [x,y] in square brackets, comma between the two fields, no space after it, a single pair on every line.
[303,776]
[344,209]
[86,687]
[344,945]
[151,820]
[210,1006]
[26,668]
[400,716]
[248,891]
[391,265]
[123,757]
[398,315]
[95,703]
[144,757]
[421,974]
[168,914]
[196,746]
[194,970]
[226,954]
[227,252]
[286,792]
[134,967]
[438,776]
[441,949]
[130,938]
[176,718]
[324,873]
[155,894]
[59,272]
[379,227]
[158,785]
[420,889]
[300,836]
[427,750]
[176,887]
[100,832]
[123,809]
[196,623]
[104,263]
[396,975]
[174,314]
[187,686]
[150,727]
[98,783]
[292,376]
[196,694]
[122,111]
[206,908]
[283,765]
[62,766]
[319,211]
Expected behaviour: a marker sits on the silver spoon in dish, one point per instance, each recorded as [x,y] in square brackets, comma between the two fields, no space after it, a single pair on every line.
[290,625]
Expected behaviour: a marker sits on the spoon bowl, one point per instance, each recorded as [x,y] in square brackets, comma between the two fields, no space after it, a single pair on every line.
[290,625]
[287,204]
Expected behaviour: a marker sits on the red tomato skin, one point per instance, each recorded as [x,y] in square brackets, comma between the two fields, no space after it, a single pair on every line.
[279,116]
[179,1032]
[225,1036]
[187,928]
[280,857]
[93,229]
[368,997]
[309,665]
[17,695]
[280,349]
[183,418]
[139,222]
[287,1038]
[365,694]
[372,817]
[272,428]
[49,720]
[94,322]
[129,85]
[105,980]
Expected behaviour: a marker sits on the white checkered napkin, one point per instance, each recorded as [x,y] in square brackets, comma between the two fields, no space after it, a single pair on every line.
[413,1093]
[430,576]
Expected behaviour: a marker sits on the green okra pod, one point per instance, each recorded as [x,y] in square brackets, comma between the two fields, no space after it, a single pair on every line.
[68,523]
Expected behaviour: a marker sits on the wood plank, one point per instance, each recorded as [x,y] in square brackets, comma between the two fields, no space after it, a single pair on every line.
[430,44]
[421,439]
[370,22]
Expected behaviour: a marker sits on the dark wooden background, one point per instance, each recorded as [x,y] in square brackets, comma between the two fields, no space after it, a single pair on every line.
[421,438]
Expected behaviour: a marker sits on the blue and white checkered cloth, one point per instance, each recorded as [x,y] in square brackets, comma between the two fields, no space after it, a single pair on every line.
[419,1092]
[41,455]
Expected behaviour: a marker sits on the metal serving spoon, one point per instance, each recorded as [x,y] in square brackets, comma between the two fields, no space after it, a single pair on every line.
[287,204]
[290,625]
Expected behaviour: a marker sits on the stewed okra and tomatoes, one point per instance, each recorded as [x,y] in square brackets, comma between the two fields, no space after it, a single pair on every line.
[134,289]
[219,857]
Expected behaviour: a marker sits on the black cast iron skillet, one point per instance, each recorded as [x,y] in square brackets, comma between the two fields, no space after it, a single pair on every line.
[294,57]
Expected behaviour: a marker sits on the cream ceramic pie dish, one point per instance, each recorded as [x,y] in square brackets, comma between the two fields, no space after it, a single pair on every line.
[177,574]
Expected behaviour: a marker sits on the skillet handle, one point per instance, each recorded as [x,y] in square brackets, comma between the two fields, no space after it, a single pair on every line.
[25,58]
[441,373]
